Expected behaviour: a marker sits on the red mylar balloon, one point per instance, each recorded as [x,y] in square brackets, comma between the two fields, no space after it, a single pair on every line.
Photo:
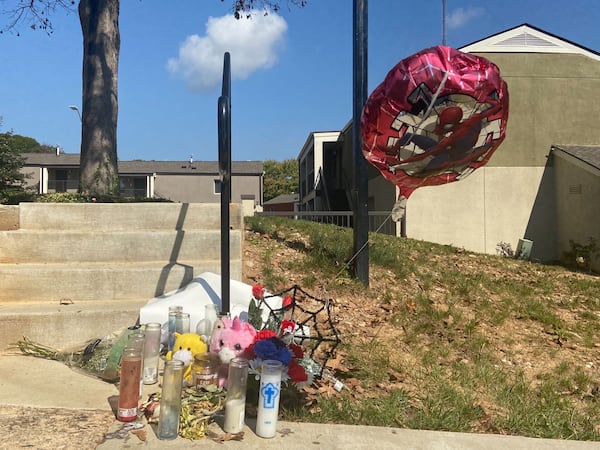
[438,115]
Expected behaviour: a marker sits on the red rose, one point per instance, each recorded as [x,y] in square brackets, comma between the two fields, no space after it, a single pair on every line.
[287,301]
[264,334]
[296,372]
[258,291]
[288,326]
[296,350]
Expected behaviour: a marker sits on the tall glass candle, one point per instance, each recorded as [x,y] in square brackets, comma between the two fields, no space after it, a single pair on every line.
[205,326]
[268,399]
[182,323]
[173,311]
[170,400]
[151,352]
[131,369]
[137,340]
[235,402]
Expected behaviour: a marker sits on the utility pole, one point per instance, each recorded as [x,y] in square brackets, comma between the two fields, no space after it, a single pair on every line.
[361,180]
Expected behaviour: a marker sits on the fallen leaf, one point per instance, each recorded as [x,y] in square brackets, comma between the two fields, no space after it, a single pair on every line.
[228,437]
[141,434]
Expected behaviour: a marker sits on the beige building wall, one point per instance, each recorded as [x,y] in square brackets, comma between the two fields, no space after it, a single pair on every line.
[578,204]
[186,188]
[33,175]
[382,194]
[492,205]
[201,189]
[549,103]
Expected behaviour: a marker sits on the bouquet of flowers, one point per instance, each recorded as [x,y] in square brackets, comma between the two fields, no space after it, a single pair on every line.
[283,347]
[300,333]
[98,357]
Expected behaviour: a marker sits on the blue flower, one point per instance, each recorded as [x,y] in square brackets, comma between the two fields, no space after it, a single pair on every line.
[273,348]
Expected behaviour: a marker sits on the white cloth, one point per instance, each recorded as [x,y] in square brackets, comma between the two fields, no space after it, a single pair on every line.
[201,291]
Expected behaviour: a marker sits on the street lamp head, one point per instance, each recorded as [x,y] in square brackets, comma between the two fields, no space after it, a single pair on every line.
[76,109]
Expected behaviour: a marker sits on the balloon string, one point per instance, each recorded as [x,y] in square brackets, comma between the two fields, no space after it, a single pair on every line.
[426,115]
[347,264]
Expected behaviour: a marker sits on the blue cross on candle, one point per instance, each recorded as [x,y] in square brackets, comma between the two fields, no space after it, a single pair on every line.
[270,392]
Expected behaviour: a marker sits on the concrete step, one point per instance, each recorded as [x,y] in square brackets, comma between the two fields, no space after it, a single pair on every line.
[87,282]
[126,216]
[64,326]
[31,246]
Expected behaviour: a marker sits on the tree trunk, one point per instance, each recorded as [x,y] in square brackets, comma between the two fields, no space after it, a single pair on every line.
[101,44]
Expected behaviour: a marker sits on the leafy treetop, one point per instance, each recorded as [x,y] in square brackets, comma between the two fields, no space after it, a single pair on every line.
[280,178]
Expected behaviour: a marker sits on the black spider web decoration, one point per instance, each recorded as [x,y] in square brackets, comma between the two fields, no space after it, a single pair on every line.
[316,331]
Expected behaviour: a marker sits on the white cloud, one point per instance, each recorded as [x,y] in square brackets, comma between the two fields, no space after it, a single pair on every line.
[253,45]
[461,16]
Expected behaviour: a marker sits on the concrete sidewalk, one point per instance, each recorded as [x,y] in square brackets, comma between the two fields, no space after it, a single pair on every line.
[42,384]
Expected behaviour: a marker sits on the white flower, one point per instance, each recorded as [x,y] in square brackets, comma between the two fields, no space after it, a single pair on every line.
[309,380]
[255,367]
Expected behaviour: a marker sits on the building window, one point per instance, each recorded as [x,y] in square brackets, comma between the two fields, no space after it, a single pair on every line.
[217,186]
[63,180]
[132,186]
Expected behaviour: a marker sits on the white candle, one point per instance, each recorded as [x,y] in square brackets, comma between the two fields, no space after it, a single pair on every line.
[268,400]
[151,369]
[234,415]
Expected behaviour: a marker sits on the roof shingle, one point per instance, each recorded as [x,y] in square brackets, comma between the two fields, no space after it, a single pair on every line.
[147,167]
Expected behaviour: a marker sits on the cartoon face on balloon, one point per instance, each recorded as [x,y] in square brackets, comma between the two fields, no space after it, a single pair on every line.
[438,115]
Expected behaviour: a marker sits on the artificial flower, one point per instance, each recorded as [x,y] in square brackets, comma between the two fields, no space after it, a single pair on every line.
[296,350]
[264,334]
[258,292]
[272,348]
[296,372]
[287,301]
[288,326]
[280,347]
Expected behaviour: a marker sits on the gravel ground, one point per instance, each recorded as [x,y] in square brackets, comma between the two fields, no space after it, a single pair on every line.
[52,428]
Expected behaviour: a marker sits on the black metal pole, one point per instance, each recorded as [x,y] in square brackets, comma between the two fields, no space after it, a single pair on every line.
[443,22]
[361,181]
[224,126]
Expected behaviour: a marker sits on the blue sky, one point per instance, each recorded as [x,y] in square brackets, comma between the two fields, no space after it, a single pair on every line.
[292,71]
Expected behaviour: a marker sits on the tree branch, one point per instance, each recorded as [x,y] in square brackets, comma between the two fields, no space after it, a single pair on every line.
[33,13]
[244,8]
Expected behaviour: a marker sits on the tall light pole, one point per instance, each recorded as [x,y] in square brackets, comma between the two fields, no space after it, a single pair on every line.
[443,22]
[361,180]
[75,108]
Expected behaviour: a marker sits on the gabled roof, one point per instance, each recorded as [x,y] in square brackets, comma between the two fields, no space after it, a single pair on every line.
[587,156]
[283,198]
[185,167]
[66,160]
[526,38]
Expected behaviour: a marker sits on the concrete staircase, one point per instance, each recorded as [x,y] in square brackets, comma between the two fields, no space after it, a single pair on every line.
[72,272]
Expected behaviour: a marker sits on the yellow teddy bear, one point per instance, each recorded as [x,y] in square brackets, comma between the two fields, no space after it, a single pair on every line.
[185,348]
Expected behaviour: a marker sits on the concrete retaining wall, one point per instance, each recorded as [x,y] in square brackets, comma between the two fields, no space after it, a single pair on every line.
[9,217]
[105,259]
